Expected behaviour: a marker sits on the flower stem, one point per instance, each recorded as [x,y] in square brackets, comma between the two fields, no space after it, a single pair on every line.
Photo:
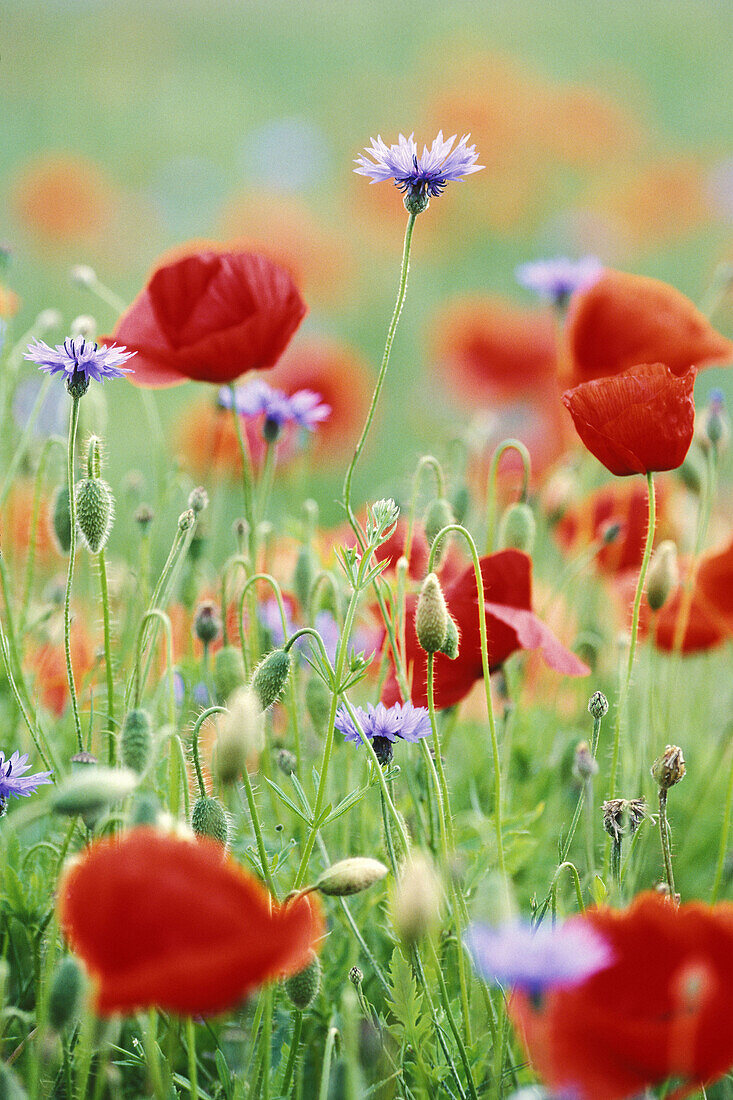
[293,1054]
[73,425]
[112,753]
[193,1082]
[382,370]
[725,829]
[624,692]
[666,842]
[504,446]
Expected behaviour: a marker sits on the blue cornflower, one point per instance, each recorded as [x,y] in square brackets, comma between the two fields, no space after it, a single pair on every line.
[12,780]
[383,726]
[79,360]
[419,178]
[555,280]
[304,408]
[536,959]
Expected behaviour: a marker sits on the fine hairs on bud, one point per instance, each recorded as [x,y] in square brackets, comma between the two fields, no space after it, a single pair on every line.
[439,514]
[451,641]
[302,988]
[209,819]
[64,997]
[271,676]
[350,876]
[663,576]
[431,616]
[136,739]
[517,528]
[228,671]
[95,508]
[241,735]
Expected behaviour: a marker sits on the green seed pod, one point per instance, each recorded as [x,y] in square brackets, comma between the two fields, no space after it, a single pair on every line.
[228,671]
[517,528]
[61,519]
[94,512]
[66,987]
[439,514]
[350,876]
[209,819]
[450,642]
[271,676]
[431,617]
[136,739]
[302,988]
[306,568]
[318,702]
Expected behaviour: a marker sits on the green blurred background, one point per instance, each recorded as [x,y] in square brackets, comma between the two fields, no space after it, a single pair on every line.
[130,127]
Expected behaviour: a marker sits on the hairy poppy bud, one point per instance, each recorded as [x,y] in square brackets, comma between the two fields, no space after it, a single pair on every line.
[431,616]
[286,761]
[663,575]
[209,819]
[61,519]
[350,876]
[438,515]
[460,502]
[622,815]
[669,768]
[304,574]
[517,528]
[206,622]
[228,671]
[198,499]
[302,988]
[271,676]
[241,735]
[66,987]
[598,704]
[95,509]
[136,739]
[416,902]
[317,702]
[451,640]
[93,790]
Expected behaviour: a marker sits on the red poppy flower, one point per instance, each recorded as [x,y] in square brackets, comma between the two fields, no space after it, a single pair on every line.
[168,923]
[510,622]
[638,421]
[623,504]
[660,1010]
[710,617]
[623,320]
[210,317]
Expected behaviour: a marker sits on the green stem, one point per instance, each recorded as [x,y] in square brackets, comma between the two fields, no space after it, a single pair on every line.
[724,831]
[73,424]
[195,744]
[193,1077]
[151,1051]
[293,1053]
[254,814]
[326,1070]
[666,843]
[382,370]
[112,753]
[267,478]
[504,446]
[623,694]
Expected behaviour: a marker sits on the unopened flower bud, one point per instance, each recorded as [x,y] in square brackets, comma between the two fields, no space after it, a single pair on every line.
[143,517]
[460,503]
[610,532]
[286,761]
[271,676]
[558,493]
[690,474]
[416,902]
[451,640]
[669,768]
[145,810]
[431,616]
[598,704]
[517,528]
[350,876]
[49,318]
[95,509]
[83,325]
[209,819]
[82,275]
[61,519]
[136,739]
[241,735]
[65,993]
[302,988]
[584,765]
[186,520]
[93,790]
[198,499]
[206,622]
[439,514]
[356,976]
[318,702]
[714,429]
[228,671]
[663,575]
[304,574]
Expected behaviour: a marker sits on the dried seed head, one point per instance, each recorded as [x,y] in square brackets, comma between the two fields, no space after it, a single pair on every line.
[622,816]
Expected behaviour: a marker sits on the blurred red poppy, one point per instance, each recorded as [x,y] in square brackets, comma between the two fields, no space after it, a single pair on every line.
[48,662]
[660,1010]
[623,320]
[710,615]
[63,198]
[168,923]
[638,421]
[510,622]
[622,505]
[210,317]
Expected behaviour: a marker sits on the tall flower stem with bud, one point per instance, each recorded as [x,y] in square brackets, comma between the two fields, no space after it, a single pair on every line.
[382,371]
[93,470]
[626,683]
[73,425]
[504,446]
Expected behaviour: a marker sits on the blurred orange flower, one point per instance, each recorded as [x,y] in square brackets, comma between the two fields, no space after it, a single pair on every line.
[63,198]
[48,662]
[661,202]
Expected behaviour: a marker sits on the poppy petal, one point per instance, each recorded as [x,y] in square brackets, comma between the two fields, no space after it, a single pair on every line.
[533,634]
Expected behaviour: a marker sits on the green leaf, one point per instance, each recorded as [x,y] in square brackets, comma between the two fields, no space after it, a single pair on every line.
[288,801]
[406,1003]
